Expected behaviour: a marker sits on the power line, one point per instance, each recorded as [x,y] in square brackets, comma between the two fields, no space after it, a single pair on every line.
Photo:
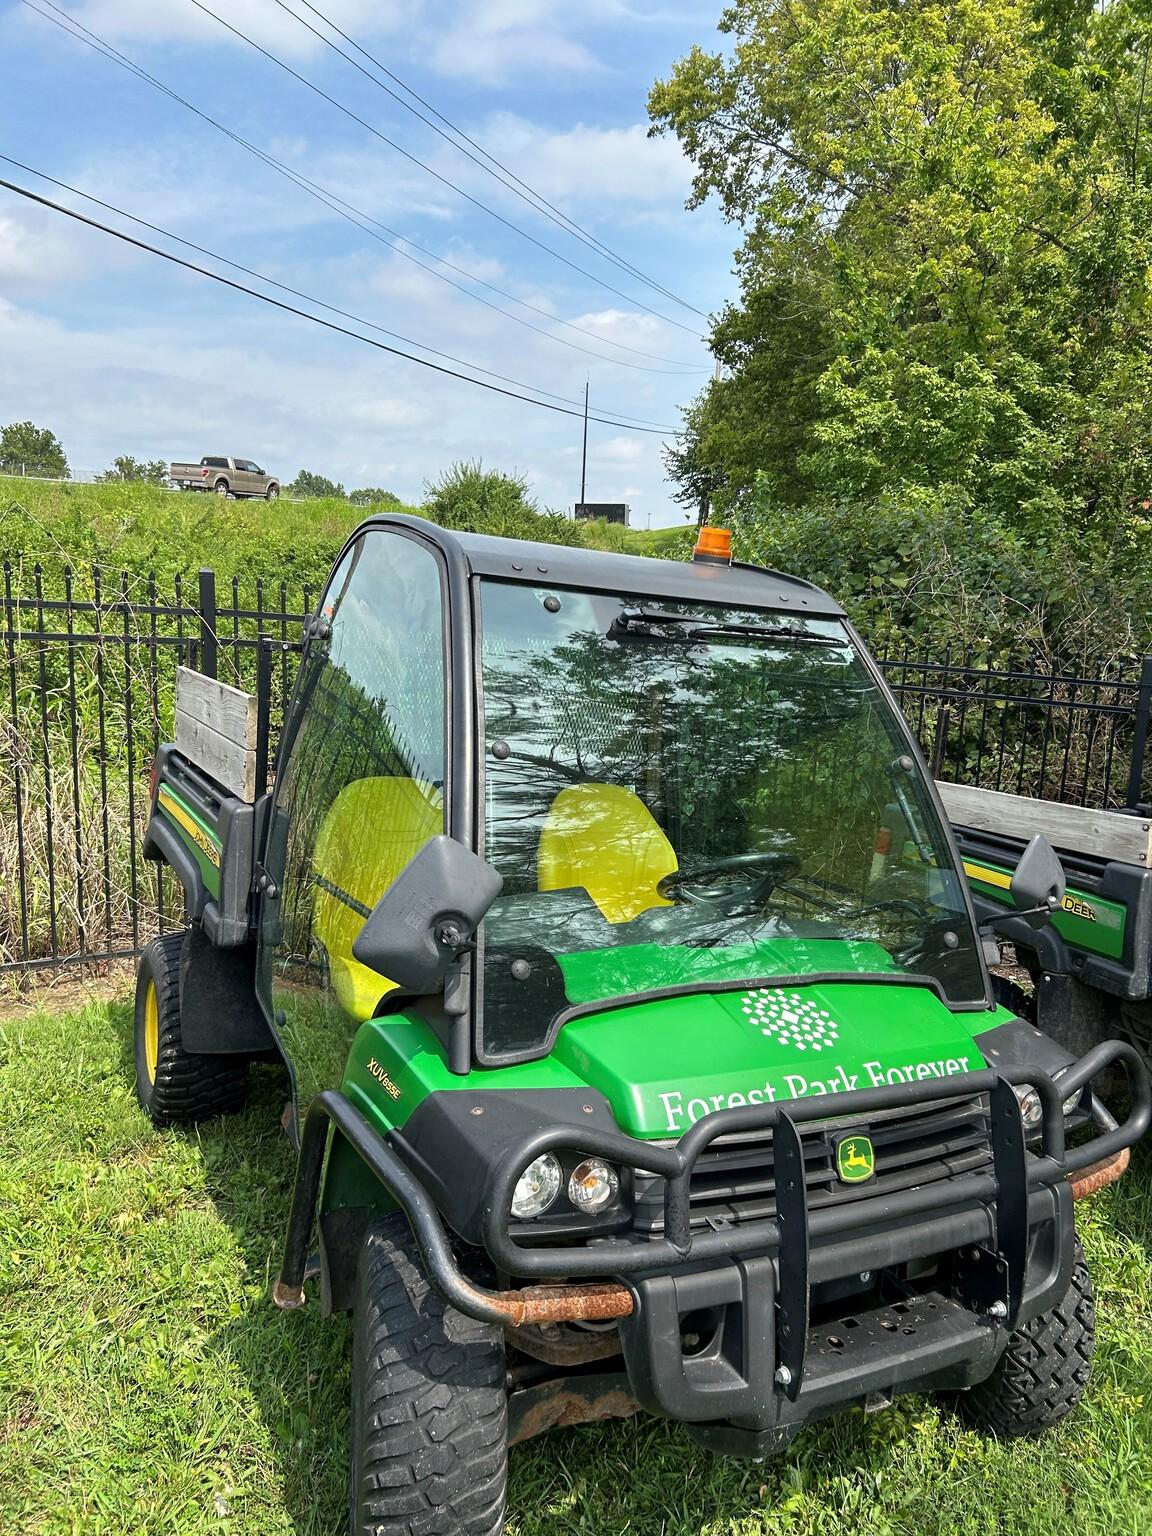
[227,282]
[300,294]
[444,180]
[495,168]
[355,215]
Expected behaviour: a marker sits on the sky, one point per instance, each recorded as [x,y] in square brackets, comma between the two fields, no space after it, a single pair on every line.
[118,351]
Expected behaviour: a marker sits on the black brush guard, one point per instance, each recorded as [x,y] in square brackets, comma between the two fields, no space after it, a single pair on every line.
[771,1255]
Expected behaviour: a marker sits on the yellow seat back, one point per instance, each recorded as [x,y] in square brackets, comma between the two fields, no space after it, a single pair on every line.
[604,838]
[373,827]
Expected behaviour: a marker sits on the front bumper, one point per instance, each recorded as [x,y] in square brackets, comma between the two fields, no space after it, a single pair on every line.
[768,1363]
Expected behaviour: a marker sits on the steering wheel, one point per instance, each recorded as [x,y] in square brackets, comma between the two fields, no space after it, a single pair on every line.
[767,869]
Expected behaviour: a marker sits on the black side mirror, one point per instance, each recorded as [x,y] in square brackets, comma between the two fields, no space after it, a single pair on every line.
[427,915]
[1039,884]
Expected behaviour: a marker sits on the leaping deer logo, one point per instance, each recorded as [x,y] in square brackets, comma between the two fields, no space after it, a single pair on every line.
[855,1159]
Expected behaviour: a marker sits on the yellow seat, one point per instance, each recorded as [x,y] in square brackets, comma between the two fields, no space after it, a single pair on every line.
[373,827]
[604,838]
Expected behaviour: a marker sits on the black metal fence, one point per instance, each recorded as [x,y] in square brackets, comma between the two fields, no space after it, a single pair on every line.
[89,659]
[89,680]
[1075,732]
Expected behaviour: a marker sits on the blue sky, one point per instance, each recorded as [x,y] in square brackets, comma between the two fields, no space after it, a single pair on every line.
[121,353]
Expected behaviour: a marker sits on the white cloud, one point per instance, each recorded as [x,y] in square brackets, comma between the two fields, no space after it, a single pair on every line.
[38,254]
[621,451]
[266,23]
[588,166]
[40,249]
[493,41]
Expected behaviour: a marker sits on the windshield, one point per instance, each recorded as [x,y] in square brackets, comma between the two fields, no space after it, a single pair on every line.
[679,794]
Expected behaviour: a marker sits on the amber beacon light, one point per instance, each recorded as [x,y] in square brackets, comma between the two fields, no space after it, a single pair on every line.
[714,546]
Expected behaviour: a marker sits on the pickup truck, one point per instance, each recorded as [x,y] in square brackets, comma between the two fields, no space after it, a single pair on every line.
[227,477]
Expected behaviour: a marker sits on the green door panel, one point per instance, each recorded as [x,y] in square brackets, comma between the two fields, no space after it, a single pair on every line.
[1086,922]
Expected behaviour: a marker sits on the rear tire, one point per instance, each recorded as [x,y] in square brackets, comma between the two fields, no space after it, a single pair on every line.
[174,1087]
[221,487]
[1042,1374]
[272,493]
[429,1435]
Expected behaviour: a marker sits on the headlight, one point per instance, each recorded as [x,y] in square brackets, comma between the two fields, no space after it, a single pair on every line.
[593,1185]
[1031,1110]
[537,1187]
[1071,1104]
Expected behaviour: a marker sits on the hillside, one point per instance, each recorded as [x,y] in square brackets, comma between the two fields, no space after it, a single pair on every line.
[145,530]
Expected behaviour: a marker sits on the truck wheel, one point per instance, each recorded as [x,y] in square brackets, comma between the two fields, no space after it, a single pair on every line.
[271,493]
[221,487]
[1042,1374]
[172,1086]
[429,1435]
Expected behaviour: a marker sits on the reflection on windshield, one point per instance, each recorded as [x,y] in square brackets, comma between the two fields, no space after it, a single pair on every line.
[694,793]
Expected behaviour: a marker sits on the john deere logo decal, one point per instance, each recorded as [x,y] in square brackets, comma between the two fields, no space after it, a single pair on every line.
[790,1018]
[855,1159]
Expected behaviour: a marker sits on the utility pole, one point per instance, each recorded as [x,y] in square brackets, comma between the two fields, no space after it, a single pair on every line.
[704,510]
[584,452]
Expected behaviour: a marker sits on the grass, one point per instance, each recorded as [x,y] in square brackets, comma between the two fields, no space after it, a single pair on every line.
[145,530]
[148,1386]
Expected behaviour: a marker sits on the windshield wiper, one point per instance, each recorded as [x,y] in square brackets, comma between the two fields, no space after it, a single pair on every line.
[638,621]
[764,632]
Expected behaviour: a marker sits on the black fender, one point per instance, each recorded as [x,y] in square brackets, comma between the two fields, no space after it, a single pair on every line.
[219,1011]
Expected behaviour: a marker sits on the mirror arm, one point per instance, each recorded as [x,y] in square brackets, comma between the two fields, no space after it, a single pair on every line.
[1047,908]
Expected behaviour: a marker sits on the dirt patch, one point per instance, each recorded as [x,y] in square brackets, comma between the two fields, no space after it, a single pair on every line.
[64,991]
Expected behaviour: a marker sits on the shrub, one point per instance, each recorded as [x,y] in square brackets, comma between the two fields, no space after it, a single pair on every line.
[468,496]
[930,567]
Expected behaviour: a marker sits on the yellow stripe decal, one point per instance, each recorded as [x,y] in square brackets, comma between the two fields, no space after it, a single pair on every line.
[195,831]
[987,876]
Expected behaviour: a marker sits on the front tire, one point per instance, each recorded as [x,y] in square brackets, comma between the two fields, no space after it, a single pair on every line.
[173,1087]
[1042,1374]
[429,1436]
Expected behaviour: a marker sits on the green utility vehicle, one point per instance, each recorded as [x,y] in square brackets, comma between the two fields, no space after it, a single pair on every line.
[1090,969]
[642,1041]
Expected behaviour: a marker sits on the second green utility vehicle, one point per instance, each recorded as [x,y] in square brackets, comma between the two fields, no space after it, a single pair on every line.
[643,1046]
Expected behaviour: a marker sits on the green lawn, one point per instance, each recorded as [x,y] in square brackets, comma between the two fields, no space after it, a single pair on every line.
[147,1385]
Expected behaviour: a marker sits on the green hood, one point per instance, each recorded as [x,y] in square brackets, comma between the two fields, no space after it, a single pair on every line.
[663,1064]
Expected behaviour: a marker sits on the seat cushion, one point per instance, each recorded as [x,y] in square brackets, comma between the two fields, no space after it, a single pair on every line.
[604,838]
[372,829]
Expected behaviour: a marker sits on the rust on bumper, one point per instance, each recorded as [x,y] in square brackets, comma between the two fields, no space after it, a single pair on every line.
[566,1401]
[287,1297]
[1097,1176]
[562,1303]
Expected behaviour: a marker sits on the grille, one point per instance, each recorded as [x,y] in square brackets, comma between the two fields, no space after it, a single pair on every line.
[733,1179]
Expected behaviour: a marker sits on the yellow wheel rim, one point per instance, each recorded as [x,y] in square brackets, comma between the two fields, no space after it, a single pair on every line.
[151,1031]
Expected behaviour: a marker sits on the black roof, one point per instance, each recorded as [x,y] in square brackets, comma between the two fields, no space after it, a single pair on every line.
[564,565]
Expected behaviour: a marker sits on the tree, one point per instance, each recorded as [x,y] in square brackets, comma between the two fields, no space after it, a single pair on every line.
[125,467]
[372,496]
[314,486]
[946,220]
[26,449]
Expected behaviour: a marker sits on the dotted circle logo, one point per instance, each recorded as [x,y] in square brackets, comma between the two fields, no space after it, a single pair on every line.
[790,1019]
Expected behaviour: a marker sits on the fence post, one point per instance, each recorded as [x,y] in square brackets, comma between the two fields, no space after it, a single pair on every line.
[940,741]
[1140,738]
[207,611]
